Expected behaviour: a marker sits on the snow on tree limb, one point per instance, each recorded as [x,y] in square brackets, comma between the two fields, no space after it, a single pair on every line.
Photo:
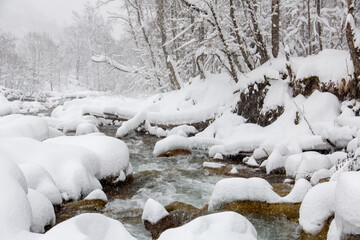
[113,63]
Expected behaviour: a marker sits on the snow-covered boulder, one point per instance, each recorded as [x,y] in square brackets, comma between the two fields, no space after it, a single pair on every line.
[15,210]
[39,179]
[5,106]
[88,226]
[242,189]
[156,219]
[97,195]
[225,225]
[42,210]
[73,168]
[113,154]
[317,206]
[24,126]
[173,142]
[86,128]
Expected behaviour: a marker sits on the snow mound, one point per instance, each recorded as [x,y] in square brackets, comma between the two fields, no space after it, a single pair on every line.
[43,213]
[153,211]
[242,189]
[86,128]
[73,168]
[88,226]
[113,154]
[225,225]
[40,180]
[347,198]
[15,210]
[97,195]
[317,206]
[172,142]
[253,189]
[5,106]
[24,126]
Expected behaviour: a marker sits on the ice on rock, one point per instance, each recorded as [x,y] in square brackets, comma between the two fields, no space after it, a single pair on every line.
[39,179]
[153,211]
[225,225]
[97,194]
[86,128]
[113,154]
[42,210]
[88,226]
[317,206]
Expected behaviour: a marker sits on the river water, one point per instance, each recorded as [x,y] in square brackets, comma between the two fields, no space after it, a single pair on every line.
[182,179]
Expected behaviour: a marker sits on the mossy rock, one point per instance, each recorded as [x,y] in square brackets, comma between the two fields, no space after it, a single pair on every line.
[174,153]
[291,211]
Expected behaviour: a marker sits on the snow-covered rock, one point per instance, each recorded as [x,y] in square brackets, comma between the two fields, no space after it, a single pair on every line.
[113,154]
[42,210]
[39,179]
[225,225]
[97,194]
[86,128]
[153,211]
[172,142]
[88,226]
[213,165]
[317,206]
[5,106]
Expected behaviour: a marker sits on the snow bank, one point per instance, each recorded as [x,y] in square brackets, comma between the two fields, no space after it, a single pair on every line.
[317,206]
[112,153]
[42,210]
[88,226]
[73,168]
[225,225]
[39,179]
[24,126]
[153,211]
[97,195]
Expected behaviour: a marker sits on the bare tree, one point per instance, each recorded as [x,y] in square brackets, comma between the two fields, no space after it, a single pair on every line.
[275,27]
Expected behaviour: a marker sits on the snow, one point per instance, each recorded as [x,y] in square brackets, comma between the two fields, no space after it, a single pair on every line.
[39,179]
[24,126]
[347,197]
[132,124]
[153,211]
[112,153]
[43,213]
[234,171]
[97,194]
[88,226]
[86,128]
[253,189]
[218,156]
[15,210]
[213,165]
[5,106]
[317,206]
[73,168]
[225,225]
[172,142]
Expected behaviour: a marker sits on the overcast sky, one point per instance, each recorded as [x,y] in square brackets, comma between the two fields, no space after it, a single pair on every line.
[22,16]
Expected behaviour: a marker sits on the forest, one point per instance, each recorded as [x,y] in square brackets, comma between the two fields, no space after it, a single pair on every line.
[182,119]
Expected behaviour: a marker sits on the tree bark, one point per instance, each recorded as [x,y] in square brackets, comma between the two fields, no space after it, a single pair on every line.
[309,25]
[161,23]
[354,49]
[318,25]
[275,27]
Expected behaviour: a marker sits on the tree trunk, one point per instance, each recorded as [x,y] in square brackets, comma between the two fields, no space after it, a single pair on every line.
[161,23]
[309,25]
[275,27]
[354,49]
[318,26]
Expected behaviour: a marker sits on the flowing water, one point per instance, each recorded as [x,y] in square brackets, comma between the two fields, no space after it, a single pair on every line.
[182,179]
